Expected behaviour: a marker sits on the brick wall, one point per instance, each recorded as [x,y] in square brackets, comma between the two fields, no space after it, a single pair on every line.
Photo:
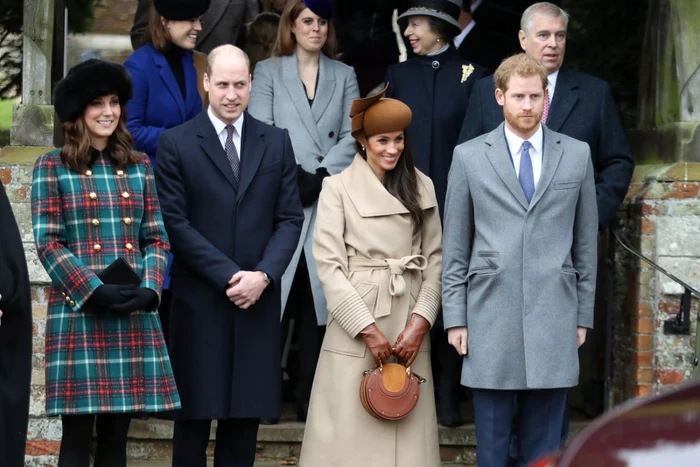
[663,222]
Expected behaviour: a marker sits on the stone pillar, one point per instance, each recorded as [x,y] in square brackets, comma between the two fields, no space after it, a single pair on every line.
[669,102]
[33,119]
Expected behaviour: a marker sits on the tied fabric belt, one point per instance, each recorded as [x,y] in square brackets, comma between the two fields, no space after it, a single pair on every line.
[394,280]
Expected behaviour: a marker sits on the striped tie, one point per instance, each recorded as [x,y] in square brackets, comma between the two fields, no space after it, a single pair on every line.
[545,113]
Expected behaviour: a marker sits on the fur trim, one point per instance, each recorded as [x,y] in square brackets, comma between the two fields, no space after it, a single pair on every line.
[87,81]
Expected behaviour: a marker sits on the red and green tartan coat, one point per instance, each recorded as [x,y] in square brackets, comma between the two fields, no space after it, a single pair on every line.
[82,222]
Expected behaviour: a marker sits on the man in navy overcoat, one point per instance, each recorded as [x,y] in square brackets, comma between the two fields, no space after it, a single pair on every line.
[581,107]
[228,191]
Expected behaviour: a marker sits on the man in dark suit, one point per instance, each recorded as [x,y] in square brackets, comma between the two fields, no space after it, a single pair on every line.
[15,339]
[580,106]
[223,23]
[478,43]
[228,191]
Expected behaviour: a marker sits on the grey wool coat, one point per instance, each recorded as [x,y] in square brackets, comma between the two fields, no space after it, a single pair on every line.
[520,277]
[320,136]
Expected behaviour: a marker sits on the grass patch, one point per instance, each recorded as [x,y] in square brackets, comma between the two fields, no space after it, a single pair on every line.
[6,120]
[6,113]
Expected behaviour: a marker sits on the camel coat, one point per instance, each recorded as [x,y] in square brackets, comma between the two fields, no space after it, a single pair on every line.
[373,269]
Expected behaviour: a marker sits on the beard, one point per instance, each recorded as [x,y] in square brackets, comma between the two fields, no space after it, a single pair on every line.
[522,125]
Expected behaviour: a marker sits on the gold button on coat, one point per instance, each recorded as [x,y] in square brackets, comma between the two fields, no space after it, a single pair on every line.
[129,246]
[127,220]
[97,247]
[93,195]
[95,222]
[125,195]
[88,173]
[72,303]
[67,299]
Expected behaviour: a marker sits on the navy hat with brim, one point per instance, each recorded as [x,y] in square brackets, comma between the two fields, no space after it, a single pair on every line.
[446,10]
[323,8]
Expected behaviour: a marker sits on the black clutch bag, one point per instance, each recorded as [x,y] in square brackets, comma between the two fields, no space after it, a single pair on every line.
[119,273]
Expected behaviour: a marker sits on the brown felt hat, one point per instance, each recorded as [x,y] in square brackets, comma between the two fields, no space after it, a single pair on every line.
[378,114]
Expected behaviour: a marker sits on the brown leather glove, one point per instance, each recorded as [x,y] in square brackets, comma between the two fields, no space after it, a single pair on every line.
[410,339]
[377,343]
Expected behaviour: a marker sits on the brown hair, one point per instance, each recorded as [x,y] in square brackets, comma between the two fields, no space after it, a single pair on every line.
[520,64]
[402,182]
[156,32]
[76,151]
[262,33]
[285,38]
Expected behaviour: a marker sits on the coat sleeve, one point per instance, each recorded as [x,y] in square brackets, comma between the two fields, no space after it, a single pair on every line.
[428,301]
[262,96]
[614,162]
[584,252]
[145,136]
[340,156]
[344,303]
[473,124]
[14,278]
[457,238]
[66,271]
[188,245]
[288,219]
[152,237]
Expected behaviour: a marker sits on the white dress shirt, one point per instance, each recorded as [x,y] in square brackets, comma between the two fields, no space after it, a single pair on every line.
[460,38]
[515,144]
[552,84]
[220,128]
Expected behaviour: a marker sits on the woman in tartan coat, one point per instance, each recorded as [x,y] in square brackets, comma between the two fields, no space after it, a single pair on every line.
[94,201]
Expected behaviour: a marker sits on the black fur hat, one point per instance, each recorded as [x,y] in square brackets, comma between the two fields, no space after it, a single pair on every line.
[86,81]
[181,10]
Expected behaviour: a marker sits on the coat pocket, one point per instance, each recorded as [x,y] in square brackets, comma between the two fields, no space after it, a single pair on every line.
[566,269]
[569,185]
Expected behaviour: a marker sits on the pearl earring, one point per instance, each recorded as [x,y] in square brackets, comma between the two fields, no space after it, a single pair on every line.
[438,40]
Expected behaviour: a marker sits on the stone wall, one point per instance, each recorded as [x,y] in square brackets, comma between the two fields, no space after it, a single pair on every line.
[663,222]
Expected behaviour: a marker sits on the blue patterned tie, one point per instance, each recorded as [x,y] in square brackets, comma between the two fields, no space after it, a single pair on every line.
[525,177]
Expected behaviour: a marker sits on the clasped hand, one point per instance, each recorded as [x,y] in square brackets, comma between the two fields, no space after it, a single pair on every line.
[245,288]
[406,346]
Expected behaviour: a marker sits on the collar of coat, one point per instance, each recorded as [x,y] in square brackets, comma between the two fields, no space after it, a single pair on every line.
[371,199]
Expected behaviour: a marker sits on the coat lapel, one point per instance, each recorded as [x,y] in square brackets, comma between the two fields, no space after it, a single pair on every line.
[211,145]
[499,156]
[325,89]
[295,89]
[367,193]
[252,150]
[551,156]
[565,97]
[166,74]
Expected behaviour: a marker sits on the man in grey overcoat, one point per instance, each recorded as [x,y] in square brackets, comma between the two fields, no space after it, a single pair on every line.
[520,252]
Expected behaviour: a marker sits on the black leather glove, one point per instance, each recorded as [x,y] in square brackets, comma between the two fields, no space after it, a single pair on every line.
[310,184]
[137,299]
[106,296]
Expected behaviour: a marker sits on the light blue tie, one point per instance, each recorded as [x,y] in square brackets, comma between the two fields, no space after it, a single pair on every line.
[525,177]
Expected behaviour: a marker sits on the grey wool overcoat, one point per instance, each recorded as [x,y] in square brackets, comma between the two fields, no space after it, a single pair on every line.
[520,276]
[320,135]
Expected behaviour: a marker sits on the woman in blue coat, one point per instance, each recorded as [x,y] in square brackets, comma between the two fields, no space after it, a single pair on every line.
[436,85]
[165,84]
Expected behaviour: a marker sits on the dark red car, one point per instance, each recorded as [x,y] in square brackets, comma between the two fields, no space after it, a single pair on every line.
[661,430]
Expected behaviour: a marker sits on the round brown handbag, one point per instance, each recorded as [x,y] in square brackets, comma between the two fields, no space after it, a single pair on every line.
[390,391]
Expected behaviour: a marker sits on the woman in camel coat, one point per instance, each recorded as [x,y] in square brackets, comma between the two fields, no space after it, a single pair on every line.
[378,249]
